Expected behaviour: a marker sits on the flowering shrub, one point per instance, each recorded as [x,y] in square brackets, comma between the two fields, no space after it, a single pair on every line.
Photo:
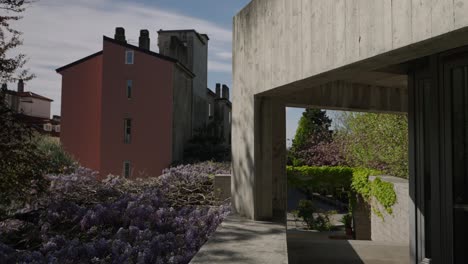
[83,220]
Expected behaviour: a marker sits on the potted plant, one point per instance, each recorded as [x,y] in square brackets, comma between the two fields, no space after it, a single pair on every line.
[346,220]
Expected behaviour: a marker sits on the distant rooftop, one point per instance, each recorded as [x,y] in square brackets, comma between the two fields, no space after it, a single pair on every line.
[187,30]
[130,46]
[29,94]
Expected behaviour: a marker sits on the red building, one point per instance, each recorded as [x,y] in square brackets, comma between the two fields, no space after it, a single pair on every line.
[126,110]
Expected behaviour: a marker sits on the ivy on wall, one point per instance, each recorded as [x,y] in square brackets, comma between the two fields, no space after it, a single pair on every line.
[381,191]
[352,180]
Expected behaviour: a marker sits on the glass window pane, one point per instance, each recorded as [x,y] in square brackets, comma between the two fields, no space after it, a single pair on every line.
[459,81]
[129,88]
[129,56]
[127,130]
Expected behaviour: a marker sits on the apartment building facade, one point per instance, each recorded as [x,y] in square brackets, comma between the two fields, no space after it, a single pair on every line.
[124,108]
[130,111]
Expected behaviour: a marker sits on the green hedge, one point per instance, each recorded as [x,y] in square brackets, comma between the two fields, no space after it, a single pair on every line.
[349,179]
[328,178]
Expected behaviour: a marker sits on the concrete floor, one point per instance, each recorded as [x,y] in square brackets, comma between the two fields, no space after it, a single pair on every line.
[244,241]
[315,247]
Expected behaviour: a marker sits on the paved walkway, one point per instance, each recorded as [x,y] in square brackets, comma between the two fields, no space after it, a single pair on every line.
[244,241]
[315,247]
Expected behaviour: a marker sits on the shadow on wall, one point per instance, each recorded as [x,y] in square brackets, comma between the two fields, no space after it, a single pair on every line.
[242,168]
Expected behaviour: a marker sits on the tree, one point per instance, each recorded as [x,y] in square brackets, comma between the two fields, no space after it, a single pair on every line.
[377,141]
[21,164]
[313,123]
[12,66]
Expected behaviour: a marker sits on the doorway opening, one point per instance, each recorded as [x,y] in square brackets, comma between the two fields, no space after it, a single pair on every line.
[348,188]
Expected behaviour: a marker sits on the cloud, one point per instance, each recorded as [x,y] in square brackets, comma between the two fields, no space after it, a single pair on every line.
[216,66]
[58,32]
[224,55]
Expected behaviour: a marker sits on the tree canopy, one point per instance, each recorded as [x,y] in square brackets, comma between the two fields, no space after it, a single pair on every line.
[377,141]
[314,122]
[12,63]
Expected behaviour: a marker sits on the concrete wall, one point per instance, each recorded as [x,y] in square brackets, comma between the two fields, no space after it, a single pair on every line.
[81,112]
[182,112]
[150,150]
[283,48]
[393,227]
[362,219]
[225,112]
[195,58]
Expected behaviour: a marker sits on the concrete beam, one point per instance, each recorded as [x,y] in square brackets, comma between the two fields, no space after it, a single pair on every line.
[351,97]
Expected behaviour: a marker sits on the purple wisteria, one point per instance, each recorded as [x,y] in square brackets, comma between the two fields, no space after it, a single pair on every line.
[83,220]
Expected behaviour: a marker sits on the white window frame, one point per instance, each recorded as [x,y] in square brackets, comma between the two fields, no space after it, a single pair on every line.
[209,110]
[47,127]
[125,165]
[57,128]
[132,60]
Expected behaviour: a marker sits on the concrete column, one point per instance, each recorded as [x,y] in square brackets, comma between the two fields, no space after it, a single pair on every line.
[270,150]
[279,161]
[243,164]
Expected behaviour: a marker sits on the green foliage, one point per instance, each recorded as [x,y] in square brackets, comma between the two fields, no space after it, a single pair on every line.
[383,192]
[314,220]
[348,179]
[22,165]
[312,122]
[205,146]
[58,161]
[378,141]
[12,63]
[328,178]
[347,220]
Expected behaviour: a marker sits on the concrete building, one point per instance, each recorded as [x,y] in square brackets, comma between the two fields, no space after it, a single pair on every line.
[126,110]
[219,113]
[32,108]
[28,103]
[191,49]
[364,55]
[129,111]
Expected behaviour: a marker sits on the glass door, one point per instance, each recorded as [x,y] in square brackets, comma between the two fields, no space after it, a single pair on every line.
[455,79]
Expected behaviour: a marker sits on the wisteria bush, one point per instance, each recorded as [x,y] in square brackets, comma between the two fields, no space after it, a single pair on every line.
[83,220]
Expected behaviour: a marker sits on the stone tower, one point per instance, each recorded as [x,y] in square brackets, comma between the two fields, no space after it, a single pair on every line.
[190,48]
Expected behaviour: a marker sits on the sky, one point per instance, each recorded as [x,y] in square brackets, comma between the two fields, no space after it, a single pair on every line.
[58,32]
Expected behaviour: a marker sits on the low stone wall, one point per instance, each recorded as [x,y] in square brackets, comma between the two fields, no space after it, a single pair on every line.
[222,186]
[393,227]
[362,220]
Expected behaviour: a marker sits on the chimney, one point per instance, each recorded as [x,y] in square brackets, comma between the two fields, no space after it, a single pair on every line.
[20,86]
[144,41]
[225,92]
[120,34]
[218,90]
